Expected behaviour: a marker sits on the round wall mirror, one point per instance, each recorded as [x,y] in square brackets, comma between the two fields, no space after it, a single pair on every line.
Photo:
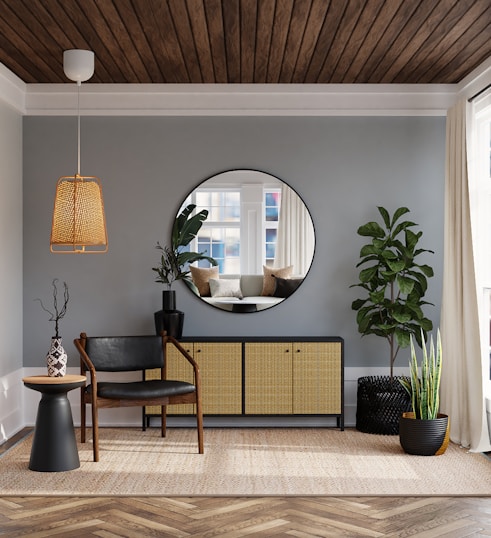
[261,235]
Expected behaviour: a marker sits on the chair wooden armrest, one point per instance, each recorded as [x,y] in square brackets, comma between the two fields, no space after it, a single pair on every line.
[85,362]
[185,353]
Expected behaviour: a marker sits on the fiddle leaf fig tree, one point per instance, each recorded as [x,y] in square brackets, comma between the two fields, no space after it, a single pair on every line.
[175,260]
[393,281]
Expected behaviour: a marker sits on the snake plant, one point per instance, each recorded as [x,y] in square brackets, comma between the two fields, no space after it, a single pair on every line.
[424,388]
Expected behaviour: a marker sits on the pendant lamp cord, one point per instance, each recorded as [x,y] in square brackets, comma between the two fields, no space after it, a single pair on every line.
[78,126]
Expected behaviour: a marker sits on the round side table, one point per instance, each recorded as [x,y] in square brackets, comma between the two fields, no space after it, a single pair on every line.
[54,447]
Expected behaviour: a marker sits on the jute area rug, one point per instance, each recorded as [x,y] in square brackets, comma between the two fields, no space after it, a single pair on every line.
[250,462]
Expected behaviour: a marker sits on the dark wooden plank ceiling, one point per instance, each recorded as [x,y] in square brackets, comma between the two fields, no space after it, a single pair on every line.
[249,41]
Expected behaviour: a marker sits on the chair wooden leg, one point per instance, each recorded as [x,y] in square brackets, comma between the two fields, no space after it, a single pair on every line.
[95,432]
[82,419]
[199,420]
[164,420]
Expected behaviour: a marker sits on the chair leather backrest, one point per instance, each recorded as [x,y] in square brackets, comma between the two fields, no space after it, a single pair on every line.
[125,353]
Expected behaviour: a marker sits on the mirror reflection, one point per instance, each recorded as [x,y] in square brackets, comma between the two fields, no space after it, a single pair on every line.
[260,234]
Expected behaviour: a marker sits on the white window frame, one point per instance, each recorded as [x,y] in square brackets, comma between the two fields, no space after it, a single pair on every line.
[270,224]
[252,219]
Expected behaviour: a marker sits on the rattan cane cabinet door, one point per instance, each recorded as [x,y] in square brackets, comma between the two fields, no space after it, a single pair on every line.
[317,378]
[268,378]
[220,365]
[177,368]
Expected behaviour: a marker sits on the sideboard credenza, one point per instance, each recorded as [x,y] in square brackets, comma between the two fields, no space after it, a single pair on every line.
[261,376]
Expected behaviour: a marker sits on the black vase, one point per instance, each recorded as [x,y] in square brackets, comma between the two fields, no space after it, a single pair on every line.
[168,300]
[169,319]
[424,437]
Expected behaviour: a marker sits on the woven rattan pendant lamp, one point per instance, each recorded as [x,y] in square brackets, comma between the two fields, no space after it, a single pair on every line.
[79,222]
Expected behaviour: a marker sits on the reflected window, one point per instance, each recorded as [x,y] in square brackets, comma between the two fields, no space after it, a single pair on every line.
[223,244]
[222,206]
[219,237]
[222,232]
[272,202]
[254,220]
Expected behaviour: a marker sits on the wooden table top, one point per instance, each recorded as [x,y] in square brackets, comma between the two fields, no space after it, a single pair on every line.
[48,380]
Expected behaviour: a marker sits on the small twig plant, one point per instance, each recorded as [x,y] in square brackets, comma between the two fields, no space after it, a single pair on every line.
[424,387]
[57,313]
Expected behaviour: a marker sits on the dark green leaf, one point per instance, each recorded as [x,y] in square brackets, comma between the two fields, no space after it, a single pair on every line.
[398,214]
[368,274]
[402,317]
[403,338]
[405,284]
[396,265]
[371,229]
[401,227]
[369,250]
[186,226]
[385,216]
[377,297]
[427,270]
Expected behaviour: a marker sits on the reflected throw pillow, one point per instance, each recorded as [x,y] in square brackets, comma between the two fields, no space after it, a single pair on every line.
[225,287]
[201,277]
[269,283]
[286,286]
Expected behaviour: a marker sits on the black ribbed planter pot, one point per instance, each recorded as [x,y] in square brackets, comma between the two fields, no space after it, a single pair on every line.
[424,437]
[381,401]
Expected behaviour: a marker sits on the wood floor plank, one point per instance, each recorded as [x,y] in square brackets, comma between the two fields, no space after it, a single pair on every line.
[229,517]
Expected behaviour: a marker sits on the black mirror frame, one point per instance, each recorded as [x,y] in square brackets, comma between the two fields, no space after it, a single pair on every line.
[244,308]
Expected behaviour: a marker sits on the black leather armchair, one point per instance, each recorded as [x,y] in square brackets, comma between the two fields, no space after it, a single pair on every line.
[133,353]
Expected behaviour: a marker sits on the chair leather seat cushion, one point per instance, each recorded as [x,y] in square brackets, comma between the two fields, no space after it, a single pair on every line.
[140,390]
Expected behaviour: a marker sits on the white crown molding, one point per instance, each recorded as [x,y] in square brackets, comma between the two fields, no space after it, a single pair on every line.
[12,89]
[241,99]
[476,81]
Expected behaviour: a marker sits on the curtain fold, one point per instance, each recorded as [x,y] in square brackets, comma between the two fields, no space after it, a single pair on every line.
[462,386]
[295,242]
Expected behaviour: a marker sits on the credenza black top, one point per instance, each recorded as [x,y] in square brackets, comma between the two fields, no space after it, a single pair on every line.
[271,339]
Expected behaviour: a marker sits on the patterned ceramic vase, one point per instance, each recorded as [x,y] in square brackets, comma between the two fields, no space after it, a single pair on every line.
[56,359]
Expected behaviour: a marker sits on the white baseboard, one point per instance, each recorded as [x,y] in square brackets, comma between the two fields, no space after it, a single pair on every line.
[11,405]
[18,406]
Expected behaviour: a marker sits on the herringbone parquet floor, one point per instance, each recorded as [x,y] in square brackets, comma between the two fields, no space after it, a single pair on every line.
[303,517]
[226,517]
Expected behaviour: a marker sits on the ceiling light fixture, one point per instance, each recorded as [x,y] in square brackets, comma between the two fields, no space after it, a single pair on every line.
[79,222]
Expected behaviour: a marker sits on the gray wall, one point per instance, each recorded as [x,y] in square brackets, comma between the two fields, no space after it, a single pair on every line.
[342,167]
[11,241]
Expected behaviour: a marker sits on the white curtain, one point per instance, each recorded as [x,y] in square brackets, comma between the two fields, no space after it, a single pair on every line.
[462,389]
[295,241]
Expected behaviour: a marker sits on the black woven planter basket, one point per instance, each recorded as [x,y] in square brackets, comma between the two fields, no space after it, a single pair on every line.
[380,404]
